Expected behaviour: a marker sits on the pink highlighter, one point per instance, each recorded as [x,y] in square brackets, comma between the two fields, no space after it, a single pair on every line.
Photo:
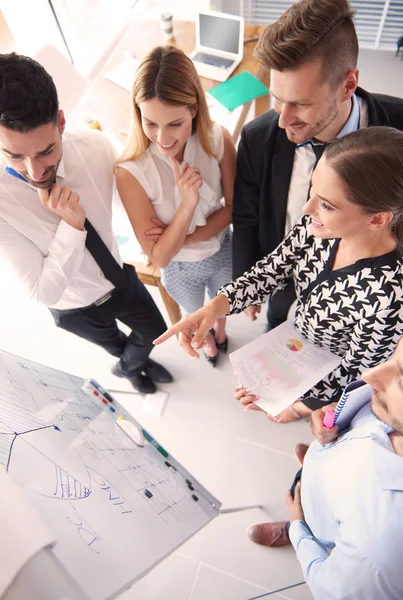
[328,421]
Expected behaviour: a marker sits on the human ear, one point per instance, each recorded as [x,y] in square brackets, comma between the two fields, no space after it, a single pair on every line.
[350,84]
[62,121]
[380,220]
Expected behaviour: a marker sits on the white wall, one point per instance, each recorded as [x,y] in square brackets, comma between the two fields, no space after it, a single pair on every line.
[32,25]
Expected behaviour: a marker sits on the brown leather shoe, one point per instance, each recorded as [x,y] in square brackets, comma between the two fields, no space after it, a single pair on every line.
[300,451]
[273,535]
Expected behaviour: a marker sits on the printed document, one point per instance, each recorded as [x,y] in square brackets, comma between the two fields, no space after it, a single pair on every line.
[280,366]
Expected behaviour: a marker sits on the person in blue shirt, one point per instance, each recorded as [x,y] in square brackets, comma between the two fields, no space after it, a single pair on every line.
[346,513]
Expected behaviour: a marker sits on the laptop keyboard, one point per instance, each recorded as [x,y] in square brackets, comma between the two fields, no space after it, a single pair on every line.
[216,61]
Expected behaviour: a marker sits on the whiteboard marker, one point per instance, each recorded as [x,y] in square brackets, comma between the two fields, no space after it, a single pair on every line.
[154,443]
[89,389]
[100,389]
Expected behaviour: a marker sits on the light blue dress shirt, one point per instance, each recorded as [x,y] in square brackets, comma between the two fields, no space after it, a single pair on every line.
[350,545]
[353,123]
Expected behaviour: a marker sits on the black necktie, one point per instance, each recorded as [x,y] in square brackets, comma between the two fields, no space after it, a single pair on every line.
[102,256]
[318,150]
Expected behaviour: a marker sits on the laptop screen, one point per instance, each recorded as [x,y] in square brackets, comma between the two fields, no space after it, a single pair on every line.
[219,33]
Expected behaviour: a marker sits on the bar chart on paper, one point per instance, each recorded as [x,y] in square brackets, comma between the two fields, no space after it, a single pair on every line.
[103,497]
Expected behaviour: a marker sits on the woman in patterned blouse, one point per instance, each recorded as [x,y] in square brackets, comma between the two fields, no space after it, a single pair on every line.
[346,258]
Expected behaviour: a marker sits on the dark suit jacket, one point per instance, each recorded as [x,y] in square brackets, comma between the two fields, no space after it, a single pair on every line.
[264,167]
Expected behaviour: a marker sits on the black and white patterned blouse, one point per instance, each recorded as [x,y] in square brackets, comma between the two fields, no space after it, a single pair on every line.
[355,312]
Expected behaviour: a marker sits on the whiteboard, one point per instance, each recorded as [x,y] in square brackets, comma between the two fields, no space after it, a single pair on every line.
[87,479]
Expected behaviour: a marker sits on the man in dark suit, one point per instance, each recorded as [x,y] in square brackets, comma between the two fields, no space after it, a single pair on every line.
[311,52]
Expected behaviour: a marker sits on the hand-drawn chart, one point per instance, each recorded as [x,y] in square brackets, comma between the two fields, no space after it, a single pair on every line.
[115,508]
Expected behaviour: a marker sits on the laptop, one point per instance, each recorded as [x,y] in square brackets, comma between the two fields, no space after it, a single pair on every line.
[219,45]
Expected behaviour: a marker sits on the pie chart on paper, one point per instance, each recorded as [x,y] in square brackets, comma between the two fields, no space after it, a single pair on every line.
[294,345]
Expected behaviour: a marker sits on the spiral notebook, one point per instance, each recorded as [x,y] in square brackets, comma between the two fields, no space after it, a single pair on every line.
[355,396]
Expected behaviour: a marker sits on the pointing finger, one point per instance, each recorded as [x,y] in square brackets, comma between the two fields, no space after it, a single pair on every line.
[168,334]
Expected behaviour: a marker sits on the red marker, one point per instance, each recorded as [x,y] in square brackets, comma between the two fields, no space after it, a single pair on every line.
[89,389]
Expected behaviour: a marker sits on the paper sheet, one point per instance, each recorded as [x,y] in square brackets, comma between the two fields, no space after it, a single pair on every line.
[280,366]
[22,532]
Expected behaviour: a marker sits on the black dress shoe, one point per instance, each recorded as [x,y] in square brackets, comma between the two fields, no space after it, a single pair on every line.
[222,346]
[212,359]
[157,372]
[142,383]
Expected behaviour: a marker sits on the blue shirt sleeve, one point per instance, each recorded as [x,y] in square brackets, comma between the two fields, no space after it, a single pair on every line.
[345,573]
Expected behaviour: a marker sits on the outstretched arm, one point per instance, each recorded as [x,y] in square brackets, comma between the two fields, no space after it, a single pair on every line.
[268,275]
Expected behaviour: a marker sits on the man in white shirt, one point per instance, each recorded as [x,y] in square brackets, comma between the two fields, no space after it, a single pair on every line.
[56,225]
[347,512]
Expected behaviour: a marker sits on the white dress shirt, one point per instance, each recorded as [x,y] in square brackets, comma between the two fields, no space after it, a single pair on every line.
[48,256]
[304,162]
[154,173]
[350,545]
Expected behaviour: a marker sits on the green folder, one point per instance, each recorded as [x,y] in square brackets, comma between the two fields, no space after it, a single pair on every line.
[238,90]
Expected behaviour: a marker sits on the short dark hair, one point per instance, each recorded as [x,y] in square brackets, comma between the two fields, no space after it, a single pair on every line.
[28,96]
[312,30]
[370,164]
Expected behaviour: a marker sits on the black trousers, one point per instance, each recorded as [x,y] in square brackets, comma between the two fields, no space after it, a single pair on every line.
[133,306]
[279,304]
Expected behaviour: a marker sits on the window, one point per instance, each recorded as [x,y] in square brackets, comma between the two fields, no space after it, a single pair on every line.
[379,23]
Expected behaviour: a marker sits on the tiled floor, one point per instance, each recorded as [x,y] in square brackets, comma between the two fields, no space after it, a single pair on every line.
[241,457]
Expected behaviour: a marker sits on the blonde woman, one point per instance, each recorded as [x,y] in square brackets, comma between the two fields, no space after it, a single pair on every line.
[175,179]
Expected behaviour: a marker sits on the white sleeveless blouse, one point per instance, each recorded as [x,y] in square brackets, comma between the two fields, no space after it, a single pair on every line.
[154,173]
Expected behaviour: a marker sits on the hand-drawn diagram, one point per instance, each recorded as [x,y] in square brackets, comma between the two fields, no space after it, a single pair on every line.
[104,498]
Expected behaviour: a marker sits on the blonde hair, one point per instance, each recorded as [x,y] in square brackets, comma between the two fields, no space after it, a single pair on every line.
[168,74]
